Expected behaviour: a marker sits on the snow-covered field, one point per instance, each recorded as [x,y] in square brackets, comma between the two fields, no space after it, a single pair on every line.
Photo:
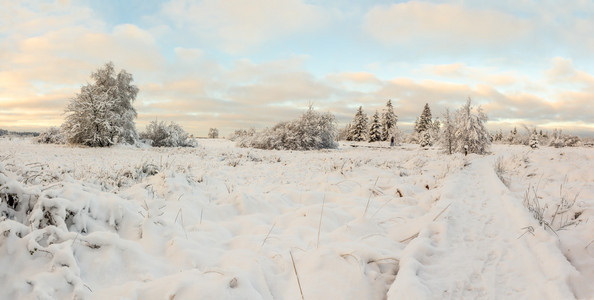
[220,222]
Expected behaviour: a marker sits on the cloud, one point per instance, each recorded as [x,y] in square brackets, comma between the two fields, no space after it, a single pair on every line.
[461,71]
[188,54]
[563,71]
[284,87]
[30,18]
[237,26]
[444,26]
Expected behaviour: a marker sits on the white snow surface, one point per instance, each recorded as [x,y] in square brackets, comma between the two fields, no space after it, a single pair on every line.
[366,222]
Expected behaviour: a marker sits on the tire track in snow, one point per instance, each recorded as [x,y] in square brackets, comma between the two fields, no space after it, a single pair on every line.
[473,251]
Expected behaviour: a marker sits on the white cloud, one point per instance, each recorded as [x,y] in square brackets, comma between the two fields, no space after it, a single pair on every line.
[237,26]
[452,26]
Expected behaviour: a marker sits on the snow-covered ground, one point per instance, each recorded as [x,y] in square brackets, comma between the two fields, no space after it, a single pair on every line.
[220,222]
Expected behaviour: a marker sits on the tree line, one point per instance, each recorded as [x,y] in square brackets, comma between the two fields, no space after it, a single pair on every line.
[462,131]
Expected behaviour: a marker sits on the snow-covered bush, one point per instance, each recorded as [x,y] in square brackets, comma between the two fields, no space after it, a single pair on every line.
[242,136]
[311,131]
[213,133]
[161,134]
[52,135]
[559,140]
[571,141]
[470,131]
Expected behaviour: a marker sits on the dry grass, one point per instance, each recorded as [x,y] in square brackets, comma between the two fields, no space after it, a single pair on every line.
[268,234]
[532,203]
[373,192]
[414,236]
[320,224]
[501,171]
[297,275]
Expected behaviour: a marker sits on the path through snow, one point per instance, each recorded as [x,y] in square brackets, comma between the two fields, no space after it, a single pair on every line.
[474,249]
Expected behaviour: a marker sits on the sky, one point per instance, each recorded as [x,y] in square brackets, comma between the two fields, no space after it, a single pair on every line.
[234,64]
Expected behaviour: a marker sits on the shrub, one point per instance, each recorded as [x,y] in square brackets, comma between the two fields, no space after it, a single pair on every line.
[161,134]
[311,131]
[52,135]
[213,133]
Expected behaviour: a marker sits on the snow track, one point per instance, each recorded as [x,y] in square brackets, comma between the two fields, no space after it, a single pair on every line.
[478,249]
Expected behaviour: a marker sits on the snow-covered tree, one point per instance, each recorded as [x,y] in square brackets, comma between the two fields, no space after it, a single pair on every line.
[470,131]
[436,128]
[534,140]
[161,134]
[359,126]
[447,137]
[311,131]
[102,113]
[213,133]
[389,120]
[425,138]
[375,131]
[424,123]
[498,136]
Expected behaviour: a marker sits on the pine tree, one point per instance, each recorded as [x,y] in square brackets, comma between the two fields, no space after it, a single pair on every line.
[470,131]
[534,140]
[359,127]
[424,122]
[389,120]
[102,113]
[375,131]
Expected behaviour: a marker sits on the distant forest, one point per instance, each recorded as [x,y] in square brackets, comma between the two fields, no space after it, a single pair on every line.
[19,133]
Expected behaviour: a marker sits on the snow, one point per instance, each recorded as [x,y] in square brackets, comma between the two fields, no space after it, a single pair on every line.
[365,222]
[470,252]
